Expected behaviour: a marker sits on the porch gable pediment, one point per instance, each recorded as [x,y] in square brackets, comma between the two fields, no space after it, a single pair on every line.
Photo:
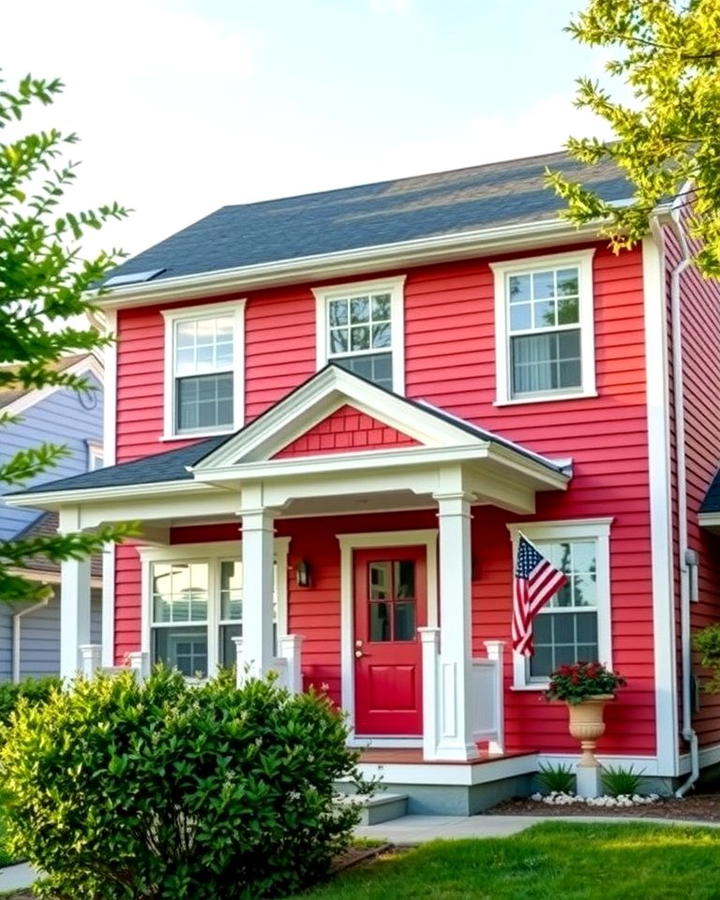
[337,412]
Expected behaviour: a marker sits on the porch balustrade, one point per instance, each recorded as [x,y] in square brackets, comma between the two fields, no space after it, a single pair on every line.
[287,664]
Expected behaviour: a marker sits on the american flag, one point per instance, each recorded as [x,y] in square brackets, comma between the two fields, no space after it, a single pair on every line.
[536,580]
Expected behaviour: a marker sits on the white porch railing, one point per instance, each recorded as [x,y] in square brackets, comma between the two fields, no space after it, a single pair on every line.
[91,662]
[485,699]
[288,662]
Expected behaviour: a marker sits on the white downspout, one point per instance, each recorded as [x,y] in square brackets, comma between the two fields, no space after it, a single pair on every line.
[16,627]
[685,557]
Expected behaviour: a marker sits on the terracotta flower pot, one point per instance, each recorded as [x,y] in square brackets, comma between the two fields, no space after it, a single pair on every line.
[587,725]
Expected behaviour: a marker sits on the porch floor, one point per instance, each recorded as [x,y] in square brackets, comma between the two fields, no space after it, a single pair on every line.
[414,756]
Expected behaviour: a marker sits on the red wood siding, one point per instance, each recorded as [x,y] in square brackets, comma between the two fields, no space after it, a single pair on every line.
[449,350]
[346,429]
[700,320]
[127,601]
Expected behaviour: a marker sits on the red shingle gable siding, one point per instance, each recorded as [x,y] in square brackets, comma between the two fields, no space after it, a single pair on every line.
[450,361]
[346,429]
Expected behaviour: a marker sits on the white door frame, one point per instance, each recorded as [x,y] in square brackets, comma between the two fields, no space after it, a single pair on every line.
[427,538]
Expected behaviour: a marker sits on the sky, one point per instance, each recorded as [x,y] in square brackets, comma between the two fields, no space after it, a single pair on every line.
[184,106]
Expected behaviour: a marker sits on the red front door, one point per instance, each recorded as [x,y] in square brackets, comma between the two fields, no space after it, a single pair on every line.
[390,605]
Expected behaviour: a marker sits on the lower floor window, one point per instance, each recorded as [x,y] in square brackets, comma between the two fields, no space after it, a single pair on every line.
[574,625]
[196,613]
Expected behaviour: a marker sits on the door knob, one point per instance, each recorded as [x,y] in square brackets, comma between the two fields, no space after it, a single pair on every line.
[359,654]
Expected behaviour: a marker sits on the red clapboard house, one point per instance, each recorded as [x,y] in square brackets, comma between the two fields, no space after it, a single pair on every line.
[333,414]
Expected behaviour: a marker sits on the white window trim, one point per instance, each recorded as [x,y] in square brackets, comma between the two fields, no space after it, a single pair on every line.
[396,288]
[94,455]
[213,554]
[583,260]
[193,313]
[574,529]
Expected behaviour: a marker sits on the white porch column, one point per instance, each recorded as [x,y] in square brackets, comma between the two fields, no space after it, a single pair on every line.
[74,614]
[91,656]
[258,576]
[454,691]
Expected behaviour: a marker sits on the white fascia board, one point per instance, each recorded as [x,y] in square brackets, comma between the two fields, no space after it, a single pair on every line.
[90,364]
[709,520]
[57,499]
[439,248]
[319,398]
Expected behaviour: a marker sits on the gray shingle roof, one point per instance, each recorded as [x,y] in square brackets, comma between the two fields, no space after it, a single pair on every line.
[370,215]
[711,503]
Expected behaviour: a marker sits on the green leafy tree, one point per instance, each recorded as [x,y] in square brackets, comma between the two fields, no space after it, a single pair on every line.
[667,53]
[44,282]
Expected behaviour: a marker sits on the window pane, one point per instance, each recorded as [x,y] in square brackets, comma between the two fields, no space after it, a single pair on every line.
[381,336]
[203,345]
[562,638]
[519,288]
[545,362]
[544,314]
[520,316]
[228,654]
[567,282]
[568,312]
[360,338]
[180,592]
[541,662]
[404,578]
[338,340]
[404,621]
[380,583]
[204,401]
[184,649]
[338,312]
[380,307]
[376,367]
[231,590]
[359,310]
[379,622]
[543,285]
[587,629]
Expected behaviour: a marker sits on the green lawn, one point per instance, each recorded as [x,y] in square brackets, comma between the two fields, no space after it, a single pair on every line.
[551,861]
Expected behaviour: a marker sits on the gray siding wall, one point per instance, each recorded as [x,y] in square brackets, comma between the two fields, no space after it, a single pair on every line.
[64,417]
[40,638]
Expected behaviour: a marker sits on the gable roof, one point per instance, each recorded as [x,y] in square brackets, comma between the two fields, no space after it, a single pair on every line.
[371,215]
[46,525]
[711,502]
[259,439]
[21,398]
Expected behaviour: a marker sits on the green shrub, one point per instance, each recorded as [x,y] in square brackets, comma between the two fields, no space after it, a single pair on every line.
[619,781]
[557,778]
[35,690]
[164,790]
[707,643]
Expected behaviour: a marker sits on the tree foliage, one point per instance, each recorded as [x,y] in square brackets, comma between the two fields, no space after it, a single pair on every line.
[667,52]
[44,280]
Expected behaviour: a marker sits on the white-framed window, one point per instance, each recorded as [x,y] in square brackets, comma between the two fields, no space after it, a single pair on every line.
[544,335]
[192,605]
[575,624]
[360,326]
[94,455]
[204,369]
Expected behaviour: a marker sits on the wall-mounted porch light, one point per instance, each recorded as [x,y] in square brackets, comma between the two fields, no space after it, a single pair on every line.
[302,573]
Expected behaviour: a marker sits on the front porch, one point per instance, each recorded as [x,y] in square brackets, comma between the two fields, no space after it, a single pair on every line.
[351,561]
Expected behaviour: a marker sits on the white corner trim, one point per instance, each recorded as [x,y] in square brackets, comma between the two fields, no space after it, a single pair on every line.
[33,396]
[110,393]
[108,605]
[572,529]
[656,377]
[235,308]
[395,286]
[427,537]
[537,263]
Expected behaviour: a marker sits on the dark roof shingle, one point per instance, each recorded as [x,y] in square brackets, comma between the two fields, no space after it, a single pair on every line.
[369,215]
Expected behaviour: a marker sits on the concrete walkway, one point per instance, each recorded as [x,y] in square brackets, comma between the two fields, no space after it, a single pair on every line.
[419,829]
[15,878]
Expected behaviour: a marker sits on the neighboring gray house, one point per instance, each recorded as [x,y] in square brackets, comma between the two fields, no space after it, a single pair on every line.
[30,634]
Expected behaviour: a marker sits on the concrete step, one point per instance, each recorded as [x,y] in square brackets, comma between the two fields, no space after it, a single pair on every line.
[381,807]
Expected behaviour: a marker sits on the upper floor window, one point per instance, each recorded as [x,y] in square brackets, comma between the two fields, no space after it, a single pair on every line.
[574,625]
[203,369]
[360,327]
[544,328]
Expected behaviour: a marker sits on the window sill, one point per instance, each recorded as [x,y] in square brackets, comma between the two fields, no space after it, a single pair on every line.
[546,398]
[191,435]
[530,687]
